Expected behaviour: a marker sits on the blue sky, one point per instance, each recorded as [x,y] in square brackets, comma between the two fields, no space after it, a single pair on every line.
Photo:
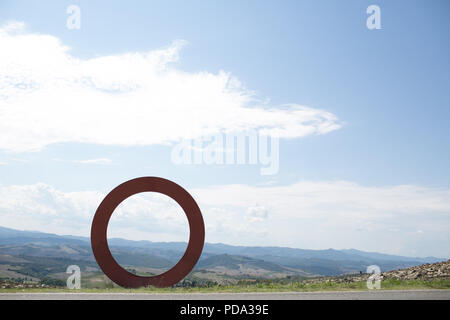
[388,90]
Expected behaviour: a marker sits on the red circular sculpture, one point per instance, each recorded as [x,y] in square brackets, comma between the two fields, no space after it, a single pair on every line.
[99,228]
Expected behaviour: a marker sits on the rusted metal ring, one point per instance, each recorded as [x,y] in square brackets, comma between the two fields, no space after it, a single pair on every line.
[99,228]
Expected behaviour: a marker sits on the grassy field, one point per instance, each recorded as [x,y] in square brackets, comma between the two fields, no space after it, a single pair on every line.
[389,284]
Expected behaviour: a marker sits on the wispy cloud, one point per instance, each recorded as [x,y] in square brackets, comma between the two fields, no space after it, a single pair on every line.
[139,98]
[95,161]
[338,214]
[403,219]
[45,208]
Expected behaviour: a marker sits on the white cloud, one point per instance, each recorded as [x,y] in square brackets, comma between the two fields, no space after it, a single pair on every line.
[337,214]
[95,161]
[408,220]
[257,213]
[44,208]
[138,98]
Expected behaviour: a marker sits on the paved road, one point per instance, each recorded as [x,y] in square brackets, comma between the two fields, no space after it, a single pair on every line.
[341,295]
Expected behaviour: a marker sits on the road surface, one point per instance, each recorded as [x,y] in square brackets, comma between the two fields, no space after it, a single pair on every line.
[339,295]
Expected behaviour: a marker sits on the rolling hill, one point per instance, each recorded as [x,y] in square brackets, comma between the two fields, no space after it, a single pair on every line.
[31,246]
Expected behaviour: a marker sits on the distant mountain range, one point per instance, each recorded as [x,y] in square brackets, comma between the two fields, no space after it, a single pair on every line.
[221,258]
